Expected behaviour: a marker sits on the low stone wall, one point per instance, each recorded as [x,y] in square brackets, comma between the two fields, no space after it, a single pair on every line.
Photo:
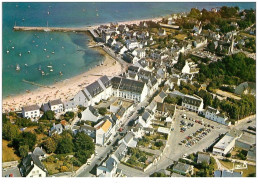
[10,164]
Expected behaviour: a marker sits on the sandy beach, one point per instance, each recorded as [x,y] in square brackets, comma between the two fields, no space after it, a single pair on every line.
[66,89]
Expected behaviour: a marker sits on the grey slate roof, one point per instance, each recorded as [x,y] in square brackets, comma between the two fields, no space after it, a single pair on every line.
[182,167]
[84,93]
[94,89]
[106,82]
[93,111]
[120,152]
[211,110]
[38,152]
[225,173]
[145,116]
[164,107]
[192,100]
[30,108]
[162,94]
[127,84]
[45,107]
[133,68]
[55,102]
[129,136]
[27,166]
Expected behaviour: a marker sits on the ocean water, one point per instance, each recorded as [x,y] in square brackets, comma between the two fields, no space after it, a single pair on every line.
[71,54]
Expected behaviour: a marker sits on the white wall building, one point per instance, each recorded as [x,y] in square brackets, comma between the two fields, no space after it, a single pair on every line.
[56,105]
[224,146]
[31,111]
[104,131]
[193,103]
[214,115]
[129,89]
[90,114]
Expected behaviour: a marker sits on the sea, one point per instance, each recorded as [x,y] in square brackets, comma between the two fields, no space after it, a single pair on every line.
[67,52]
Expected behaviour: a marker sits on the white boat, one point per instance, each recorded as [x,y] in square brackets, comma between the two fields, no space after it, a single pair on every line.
[7,51]
[63,64]
[62,47]
[97,15]
[50,66]
[51,38]
[18,67]
[20,54]
[47,29]
[45,49]
[53,52]
[47,56]
[13,47]
[39,67]
[25,64]
[37,45]
[42,73]
[60,73]
[48,12]
[51,70]
[28,51]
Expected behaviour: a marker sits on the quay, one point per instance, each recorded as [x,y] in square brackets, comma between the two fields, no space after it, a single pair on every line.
[49,29]
[36,84]
[89,29]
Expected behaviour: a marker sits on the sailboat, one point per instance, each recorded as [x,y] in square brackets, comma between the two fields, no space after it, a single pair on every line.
[42,73]
[51,70]
[45,49]
[18,67]
[29,51]
[20,54]
[25,64]
[53,52]
[7,51]
[12,47]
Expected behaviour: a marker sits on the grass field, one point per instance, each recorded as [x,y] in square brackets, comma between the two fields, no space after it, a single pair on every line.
[8,153]
[180,37]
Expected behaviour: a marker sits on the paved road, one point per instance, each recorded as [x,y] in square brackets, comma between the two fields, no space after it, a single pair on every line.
[96,160]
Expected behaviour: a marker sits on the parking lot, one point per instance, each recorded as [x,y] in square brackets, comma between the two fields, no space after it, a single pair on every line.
[194,133]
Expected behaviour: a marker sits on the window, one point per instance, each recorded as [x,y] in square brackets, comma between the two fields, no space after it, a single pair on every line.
[40,175]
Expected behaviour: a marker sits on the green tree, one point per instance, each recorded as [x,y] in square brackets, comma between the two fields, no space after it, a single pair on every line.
[83,155]
[83,142]
[48,115]
[28,138]
[64,146]
[80,115]
[49,145]
[102,111]
[23,150]
[10,131]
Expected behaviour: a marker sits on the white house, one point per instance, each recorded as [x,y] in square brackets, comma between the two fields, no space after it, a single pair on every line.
[108,168]
[70,106]
[132,43]
[56,105]
[224,146]
[32,167]
[93,93]
[214,115]
[140,53]
[56,129]
[30,111]
[129,89]
[105,130]
[145,119]
[193,103]
[90,114]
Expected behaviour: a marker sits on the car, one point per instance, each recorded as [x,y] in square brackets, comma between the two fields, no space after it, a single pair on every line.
[249,121]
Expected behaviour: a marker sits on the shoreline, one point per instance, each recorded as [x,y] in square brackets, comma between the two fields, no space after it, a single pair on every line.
[68,88]
[65,89]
